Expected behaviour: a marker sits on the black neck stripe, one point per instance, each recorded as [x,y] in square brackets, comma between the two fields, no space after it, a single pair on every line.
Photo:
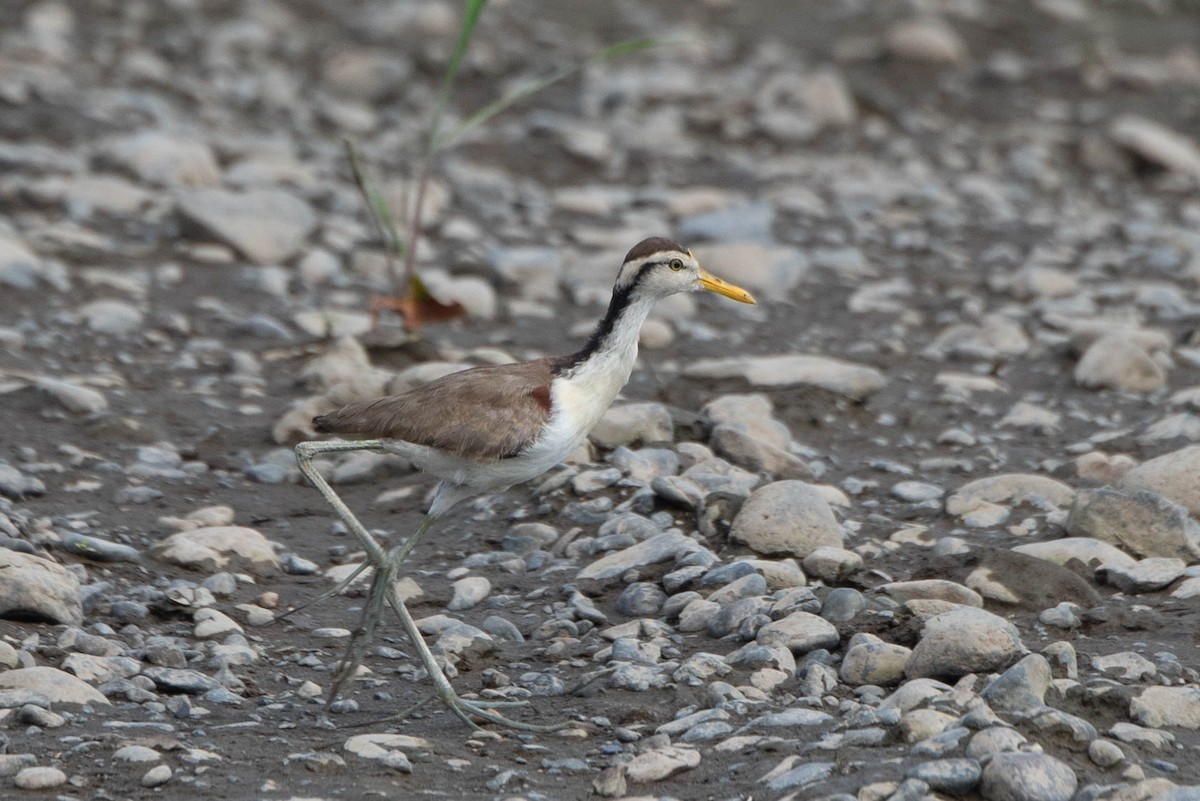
[621,298]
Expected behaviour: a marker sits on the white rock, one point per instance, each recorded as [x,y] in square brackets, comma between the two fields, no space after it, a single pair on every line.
[58,686]
[786,517]
[39,778]
[266,225]
[1114,362]
[855,381]
[215,548]
[1175,475]
[74,397]
[876,662]
[136,753]
[828,100]
[964,640]
[659,548]
[32,585]
[1142,522]
[1009,488]
[377,746]
[114,317]
[1148,575]
[832,564]
[1027,777]
[1086,550]
[930,40]
[800,632]
[629,423]
[163,158]
[469,592]
[1157,143]
[19,268]
[156,776]
[1157,707]
[212,624]
[660,763]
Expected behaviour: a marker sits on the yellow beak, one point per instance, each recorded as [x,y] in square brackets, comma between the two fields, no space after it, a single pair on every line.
[714,284]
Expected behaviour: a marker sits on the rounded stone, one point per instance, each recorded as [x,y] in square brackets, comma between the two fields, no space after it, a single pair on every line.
[641,599]
[880,663]
[1175,475]
[964,640]
[156,776]
[800,632]
[469,592]
[39,778]
[1017,776]
[1105,753]
[791,518]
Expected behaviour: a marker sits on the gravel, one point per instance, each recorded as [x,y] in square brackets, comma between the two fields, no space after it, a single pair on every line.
[918,524]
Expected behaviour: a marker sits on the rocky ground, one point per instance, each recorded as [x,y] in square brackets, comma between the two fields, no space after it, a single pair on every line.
[919,525]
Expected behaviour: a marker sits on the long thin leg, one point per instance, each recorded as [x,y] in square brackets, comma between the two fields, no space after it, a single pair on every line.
[383,580]
[305,452]
[383,588]
[463,708]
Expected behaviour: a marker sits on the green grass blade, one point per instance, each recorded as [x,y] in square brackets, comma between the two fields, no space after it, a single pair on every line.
[377,205]
[466,28]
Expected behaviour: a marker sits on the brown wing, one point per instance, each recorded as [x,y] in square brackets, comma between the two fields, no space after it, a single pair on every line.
[490,412]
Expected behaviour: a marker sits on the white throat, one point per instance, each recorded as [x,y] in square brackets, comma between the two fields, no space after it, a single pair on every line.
[581,395]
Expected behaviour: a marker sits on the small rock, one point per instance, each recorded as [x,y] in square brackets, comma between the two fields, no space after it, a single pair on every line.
[659,548]
[216,548]
[156,776]
[854,381]
[927,40]
[1012,489]
[1157,707]
[832,565]
[1105,753]
[874,662]
[31,585]
[113,317]
[1022,687]
[1174,475]
[39,778]
[1027,777]
[136,753]
[1114,362]
[964,640]
[469,592]
[800,632]
[19,268]
[630,423]
[266,225]
[1158,144]
[158,157]
[786,517]
[658,764]
[1148,575]
[1087,551]
[74,397]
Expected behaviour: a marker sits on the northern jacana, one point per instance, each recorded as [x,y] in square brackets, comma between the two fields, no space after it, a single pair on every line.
[489,428]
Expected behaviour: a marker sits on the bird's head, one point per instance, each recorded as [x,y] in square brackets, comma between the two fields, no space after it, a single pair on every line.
[659,267]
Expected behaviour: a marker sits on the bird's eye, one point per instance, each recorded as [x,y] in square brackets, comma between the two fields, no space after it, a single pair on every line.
[676,264]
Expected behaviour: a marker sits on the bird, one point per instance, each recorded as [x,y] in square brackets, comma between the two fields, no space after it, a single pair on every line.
[488,428]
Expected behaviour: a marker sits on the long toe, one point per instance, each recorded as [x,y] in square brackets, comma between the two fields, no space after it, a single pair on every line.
[467,708]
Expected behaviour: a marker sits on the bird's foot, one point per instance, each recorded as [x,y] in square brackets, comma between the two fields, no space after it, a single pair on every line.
[466,709]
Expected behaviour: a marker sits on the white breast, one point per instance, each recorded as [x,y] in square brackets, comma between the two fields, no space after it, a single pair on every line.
[578,403]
